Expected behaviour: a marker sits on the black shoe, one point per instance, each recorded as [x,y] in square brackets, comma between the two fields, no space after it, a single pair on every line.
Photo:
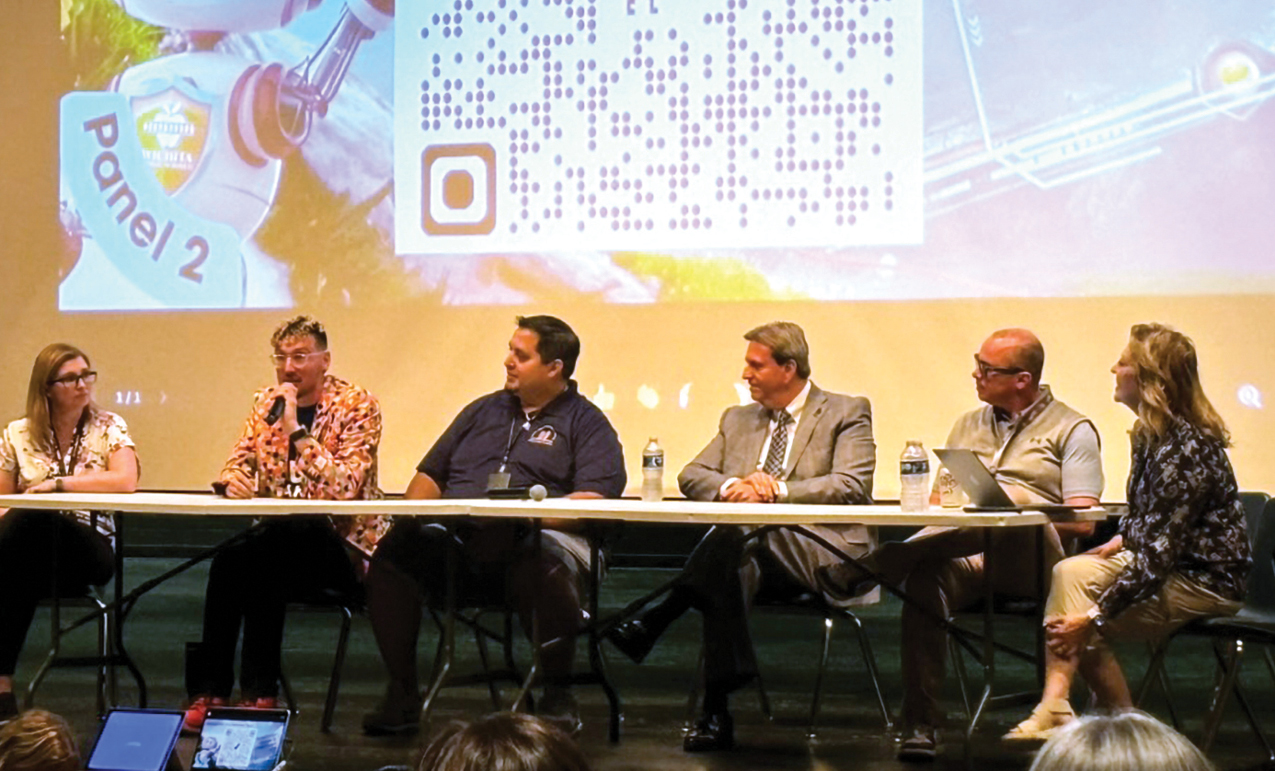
[712,733]
[397,715]
[843,581]
[634,639]
[920,745]
[559,708]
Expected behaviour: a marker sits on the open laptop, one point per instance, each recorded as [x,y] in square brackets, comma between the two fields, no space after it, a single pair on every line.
[242,739]
[136,740]
[984,491]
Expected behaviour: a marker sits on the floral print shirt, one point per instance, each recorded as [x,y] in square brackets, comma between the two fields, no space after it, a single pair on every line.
[104,433]
[339,465]
[1185,517]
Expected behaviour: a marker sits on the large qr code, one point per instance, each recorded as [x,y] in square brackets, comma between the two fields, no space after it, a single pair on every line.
[581,125]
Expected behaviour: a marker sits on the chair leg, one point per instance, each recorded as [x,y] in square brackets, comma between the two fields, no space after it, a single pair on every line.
[338,663]
[1156,673]
[692,701]
[957,658]
[870,662]
[1230,663]
[288,698]
[819,675]
[103,650]
[480,641]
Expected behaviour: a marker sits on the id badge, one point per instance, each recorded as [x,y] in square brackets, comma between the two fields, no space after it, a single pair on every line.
[498,480]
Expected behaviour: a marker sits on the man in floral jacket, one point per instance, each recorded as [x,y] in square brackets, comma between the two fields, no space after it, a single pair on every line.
[311,436]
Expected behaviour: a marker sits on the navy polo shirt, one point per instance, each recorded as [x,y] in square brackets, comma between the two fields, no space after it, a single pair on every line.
[568,447]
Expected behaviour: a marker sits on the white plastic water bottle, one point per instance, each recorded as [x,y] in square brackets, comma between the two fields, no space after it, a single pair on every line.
[914,477]
[653,471]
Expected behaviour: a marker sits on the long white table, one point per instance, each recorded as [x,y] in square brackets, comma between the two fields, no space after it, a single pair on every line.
[668,511]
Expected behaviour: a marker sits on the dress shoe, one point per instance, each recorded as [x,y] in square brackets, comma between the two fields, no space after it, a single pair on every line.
[634,639]
[843,581]
[712,733]
[920,745]
[398,714]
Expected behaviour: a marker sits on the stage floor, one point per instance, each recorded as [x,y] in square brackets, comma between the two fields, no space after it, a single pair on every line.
[850,733]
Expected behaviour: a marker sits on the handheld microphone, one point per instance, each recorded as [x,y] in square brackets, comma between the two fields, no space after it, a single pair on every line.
[276,410]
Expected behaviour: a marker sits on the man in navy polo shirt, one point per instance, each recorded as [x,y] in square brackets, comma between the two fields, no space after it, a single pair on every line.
[538,429]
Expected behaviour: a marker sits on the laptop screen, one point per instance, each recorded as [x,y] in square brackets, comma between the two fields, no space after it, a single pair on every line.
[242,739]
[135,740]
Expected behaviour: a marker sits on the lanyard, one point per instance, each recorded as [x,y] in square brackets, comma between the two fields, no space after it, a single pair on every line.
[66,464]
[514,437]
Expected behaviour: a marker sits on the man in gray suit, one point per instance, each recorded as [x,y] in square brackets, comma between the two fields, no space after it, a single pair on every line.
[796,444]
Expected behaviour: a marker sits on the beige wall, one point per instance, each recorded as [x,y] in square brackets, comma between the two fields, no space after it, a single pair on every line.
[196,372]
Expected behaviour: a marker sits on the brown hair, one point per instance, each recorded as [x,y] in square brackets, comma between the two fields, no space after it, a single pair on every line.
[301,326]
[47,364]
[786,342]
[38,740]
[1169,383]
[505,741]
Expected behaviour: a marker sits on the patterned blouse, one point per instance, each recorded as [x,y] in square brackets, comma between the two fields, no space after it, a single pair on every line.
[1185,517]
[104,433]
[339,465]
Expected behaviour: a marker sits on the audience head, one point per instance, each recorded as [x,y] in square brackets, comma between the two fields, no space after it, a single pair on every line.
[505,741]
[54,385]
[38,740]
[1127,741]
[1158,378]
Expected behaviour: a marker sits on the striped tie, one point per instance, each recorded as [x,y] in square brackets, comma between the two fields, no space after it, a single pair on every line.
[778,444]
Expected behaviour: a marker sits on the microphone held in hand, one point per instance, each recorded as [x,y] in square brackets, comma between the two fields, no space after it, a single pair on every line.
[276,410]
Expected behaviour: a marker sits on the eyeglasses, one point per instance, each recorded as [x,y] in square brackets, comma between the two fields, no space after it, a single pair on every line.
[985,369]
[297,359]
[87,377]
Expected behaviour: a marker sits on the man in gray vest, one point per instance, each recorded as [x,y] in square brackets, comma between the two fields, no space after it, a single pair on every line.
[1041,451]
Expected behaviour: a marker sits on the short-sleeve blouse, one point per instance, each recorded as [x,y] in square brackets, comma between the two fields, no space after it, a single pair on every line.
[104,433]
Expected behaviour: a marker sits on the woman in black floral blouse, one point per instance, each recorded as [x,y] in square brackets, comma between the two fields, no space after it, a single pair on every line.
[1182,551]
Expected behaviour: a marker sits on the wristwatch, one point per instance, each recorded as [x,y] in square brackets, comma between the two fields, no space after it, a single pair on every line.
[298,435]
[1099,620]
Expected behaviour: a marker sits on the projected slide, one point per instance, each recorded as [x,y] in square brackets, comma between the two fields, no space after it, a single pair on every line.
[226,154]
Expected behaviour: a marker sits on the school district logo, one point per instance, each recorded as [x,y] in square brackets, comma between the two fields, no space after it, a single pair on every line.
[172,127]
[544,435]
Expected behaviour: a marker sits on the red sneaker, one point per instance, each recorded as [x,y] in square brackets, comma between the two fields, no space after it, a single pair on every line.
[261,702]
[197,712]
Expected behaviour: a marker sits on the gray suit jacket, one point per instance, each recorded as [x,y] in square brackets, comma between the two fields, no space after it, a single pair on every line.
[832,458]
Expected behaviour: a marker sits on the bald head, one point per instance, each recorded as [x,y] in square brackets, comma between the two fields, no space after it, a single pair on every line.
[1020,348]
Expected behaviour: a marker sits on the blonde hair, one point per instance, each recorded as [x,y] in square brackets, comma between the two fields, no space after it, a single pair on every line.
[38,740]
[505,741]
[1169,383]
[1128,741]
[46,366]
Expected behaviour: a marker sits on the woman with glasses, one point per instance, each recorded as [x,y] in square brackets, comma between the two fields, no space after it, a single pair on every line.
[66,443]
[1182,551]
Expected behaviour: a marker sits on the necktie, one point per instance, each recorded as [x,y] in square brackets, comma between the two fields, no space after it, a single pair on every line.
[778,445]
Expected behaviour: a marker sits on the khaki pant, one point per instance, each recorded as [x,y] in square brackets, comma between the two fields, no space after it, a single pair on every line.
[1079,581]
[941,569]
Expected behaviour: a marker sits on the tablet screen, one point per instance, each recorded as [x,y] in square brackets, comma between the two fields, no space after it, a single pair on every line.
[135,740]
[242,739]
